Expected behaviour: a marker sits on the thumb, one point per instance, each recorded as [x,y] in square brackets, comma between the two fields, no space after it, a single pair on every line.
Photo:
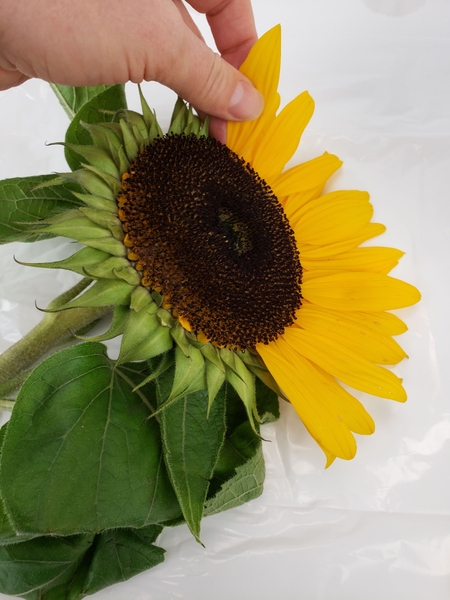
[209,83]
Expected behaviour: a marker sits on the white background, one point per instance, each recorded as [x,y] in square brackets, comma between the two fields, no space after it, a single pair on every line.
[377,527]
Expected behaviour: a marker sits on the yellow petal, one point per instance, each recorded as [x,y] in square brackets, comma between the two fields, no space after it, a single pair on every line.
[376,259]
[332,217]
[278,144]
[300,382]
[304,182]
[323,251]
[347,366]
[343,328]
[347,407]
[383,321]
[360,292]
[262,67]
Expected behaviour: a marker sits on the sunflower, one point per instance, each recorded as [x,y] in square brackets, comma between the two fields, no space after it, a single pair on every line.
[243,266]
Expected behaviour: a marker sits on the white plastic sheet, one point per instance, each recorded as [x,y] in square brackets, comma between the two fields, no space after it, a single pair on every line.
[377,527]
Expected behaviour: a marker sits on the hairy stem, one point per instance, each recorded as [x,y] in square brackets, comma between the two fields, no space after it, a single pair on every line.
[55,328]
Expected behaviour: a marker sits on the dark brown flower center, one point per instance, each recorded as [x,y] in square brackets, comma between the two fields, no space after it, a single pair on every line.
[211,235]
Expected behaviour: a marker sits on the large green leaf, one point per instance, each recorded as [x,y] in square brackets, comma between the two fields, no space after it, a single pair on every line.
[7,532]
[245,485]
[192,442]
[30,568]
[100,108]
[120,554]
[72,567]
[22,206]
[72,99]
[80,454]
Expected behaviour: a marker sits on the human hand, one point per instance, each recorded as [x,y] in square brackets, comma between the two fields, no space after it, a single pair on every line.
[94,42]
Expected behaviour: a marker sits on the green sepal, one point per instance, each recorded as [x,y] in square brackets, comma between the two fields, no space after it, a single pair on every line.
[79,229]
[140,298]
[179,118]
[107,244]
[105,292]
[91,182]
[123,162]
[157,342]
[128,274]
[149,118]
[117,327]
[256,365]
[78,262]
[136,120]
[139,326]
[105,269]
[268,380]
[189,373]
[179,335]
[166,317]
[130,143]
[97,202]
[102,137]
[112,182]
[105,218]
[243,382]
[97,157]
[212,354]
[214,381]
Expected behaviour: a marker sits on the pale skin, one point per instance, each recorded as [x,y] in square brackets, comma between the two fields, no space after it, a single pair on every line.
[94,42]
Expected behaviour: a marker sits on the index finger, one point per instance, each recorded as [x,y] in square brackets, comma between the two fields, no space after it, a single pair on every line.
[232,25]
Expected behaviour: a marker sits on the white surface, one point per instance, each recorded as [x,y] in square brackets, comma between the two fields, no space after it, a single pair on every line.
[377,527]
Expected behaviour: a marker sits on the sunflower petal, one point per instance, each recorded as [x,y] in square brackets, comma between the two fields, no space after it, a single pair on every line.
[304,181]
[332,217]
[348,366]
[282,138]
[351,333]
[262,67]
[288,369]
[360,291]
[374,259]
[322,251]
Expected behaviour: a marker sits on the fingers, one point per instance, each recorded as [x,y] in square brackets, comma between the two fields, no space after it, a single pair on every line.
[205,80]
[9,79]
[232,25]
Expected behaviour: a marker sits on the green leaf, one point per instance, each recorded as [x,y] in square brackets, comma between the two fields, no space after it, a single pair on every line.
[80,454]
[7,532]
[74,98]
[30,568]
[246,485]
[267,403]
[99,108]
[22,206]
[121,554]
[192,442]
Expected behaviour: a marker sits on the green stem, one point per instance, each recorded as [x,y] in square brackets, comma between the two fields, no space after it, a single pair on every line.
[55,328]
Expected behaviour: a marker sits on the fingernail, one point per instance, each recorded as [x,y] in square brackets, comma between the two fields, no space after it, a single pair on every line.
[246,103]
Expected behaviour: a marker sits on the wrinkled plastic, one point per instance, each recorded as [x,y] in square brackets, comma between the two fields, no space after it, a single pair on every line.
[379,525]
